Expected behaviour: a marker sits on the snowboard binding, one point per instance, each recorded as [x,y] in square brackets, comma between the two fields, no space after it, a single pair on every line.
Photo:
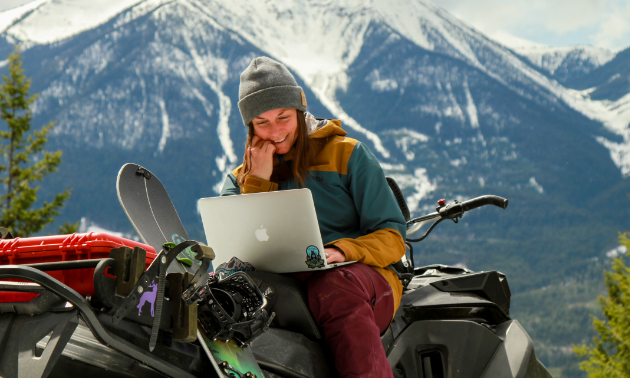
[233,308]
[155,277]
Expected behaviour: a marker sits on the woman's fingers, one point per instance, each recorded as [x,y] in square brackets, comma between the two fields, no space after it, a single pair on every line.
[265,146]
[261,154]
[255,140]
[334,255]
[269,148]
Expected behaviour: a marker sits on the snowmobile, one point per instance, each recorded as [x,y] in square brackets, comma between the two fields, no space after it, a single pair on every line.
[452,322]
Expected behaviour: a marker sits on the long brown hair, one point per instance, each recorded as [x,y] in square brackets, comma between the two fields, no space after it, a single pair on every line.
[303,152]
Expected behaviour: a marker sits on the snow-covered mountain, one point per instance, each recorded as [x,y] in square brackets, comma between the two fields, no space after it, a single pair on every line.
[428,93]
[320,41]
[609,82]
[566,64]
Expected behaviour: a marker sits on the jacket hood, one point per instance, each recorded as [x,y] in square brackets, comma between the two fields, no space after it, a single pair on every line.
[331,128]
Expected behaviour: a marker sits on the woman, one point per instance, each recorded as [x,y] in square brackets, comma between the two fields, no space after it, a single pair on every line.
[358,216]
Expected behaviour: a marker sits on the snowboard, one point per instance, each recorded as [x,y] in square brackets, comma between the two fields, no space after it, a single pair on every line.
[228,358]
[152,214]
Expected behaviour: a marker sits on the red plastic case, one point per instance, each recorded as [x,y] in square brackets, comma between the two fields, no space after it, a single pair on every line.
[93,245]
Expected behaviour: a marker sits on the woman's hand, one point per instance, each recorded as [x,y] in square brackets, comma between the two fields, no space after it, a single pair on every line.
[334,255]
[261,157]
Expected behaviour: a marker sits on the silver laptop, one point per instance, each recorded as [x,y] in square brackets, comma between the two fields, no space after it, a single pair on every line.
[275,232]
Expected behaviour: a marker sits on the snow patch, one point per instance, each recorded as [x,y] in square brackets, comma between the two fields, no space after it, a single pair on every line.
[513,41]
[405,138]
[471,109]
[535,185]
[417,21]
[166,131]
[226,168]
[616,252]
[336,109]
[392,167]
[616,116]
[420,183]
[550,58]
[207,66]
[411,134]
[619,153]
[221,162]
[9,17]
[458,162]
[53,21]
[381,85]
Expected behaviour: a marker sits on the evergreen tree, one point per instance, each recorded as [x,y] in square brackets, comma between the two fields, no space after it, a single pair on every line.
[609,357]
[24,161]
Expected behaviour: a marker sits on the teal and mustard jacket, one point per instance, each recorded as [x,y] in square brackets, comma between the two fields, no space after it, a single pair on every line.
[356,210]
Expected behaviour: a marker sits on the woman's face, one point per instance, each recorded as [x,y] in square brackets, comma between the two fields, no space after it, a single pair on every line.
[278,126]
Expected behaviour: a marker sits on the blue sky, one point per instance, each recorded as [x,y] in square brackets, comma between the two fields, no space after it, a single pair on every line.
[602,23]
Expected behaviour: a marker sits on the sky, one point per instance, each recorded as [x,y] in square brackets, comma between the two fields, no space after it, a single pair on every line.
[601,23]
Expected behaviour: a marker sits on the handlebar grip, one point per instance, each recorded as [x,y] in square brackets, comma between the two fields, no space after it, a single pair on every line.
[485,200]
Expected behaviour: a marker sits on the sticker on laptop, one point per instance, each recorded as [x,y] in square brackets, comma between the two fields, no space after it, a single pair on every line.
[233,266]
[313,258]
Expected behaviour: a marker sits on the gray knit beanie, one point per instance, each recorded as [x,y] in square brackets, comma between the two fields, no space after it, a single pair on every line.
[267,85]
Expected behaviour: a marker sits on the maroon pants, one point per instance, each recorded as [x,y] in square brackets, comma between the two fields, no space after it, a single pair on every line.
[353,304]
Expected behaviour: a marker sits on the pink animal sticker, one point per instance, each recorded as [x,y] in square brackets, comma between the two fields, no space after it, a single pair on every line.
[148,296]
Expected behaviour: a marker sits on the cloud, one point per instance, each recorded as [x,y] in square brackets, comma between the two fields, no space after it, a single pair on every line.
[602,23]
[616,30]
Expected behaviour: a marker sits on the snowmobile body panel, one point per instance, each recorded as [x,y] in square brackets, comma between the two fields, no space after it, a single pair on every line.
[453,348]
[279,350]
[460,348]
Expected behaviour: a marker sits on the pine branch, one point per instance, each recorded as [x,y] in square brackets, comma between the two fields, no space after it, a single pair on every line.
[26,161]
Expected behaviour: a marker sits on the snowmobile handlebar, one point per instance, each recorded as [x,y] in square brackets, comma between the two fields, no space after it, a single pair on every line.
[452,211]
[485,200]
[456,209]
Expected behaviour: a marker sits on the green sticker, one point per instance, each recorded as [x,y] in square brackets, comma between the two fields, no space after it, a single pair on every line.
[168,246]
[184,260]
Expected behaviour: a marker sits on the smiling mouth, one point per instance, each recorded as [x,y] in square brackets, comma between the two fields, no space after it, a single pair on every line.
[281,140]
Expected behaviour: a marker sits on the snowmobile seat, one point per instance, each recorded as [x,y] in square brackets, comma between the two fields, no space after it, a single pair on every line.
[287,297]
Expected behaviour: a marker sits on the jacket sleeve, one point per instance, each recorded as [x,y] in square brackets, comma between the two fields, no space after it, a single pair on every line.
[252,185]
[255,184]
[230,186]
[381,221]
